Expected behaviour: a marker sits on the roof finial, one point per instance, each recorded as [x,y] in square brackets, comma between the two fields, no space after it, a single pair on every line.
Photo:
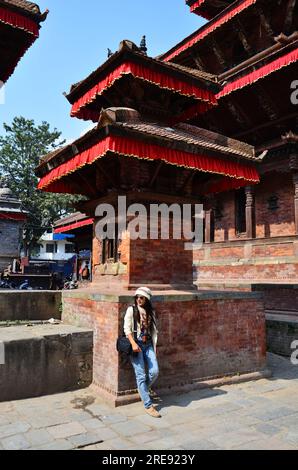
[110,53]
[143,45]
[44,15]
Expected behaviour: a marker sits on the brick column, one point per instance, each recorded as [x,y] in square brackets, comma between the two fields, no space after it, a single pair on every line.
[250,212]
[295,181]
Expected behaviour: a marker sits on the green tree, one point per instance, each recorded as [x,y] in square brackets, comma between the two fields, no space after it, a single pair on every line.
[20,150]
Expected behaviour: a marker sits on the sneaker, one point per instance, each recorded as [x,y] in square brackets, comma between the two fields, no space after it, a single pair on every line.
[152,412]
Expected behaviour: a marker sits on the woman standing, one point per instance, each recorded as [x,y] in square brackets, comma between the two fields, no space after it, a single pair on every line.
[144,347]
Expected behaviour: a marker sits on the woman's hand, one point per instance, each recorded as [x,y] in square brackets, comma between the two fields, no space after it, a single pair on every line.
[136,348]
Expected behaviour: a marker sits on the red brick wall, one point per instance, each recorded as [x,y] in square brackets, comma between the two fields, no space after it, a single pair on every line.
[254,259]
[228,252]
[210,338]
[102,318]
[197,339]
[150,261]
[269,223]
[282,249]
[248,272]
[280,222]
[160,262]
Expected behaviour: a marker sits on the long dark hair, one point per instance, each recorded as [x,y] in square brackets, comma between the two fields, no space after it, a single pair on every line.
[147,307]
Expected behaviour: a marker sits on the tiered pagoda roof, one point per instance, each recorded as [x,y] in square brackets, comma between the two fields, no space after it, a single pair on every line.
[237,33]
[151,100]
[19,28]
[10,207]
[131,79]
[72,222]
[252,47]
[208,8]
[122,134]
[263,84]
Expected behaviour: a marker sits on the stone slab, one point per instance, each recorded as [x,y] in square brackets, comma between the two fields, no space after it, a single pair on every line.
[44,359]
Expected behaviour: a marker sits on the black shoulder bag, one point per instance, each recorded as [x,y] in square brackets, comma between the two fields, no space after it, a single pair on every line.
[123,344]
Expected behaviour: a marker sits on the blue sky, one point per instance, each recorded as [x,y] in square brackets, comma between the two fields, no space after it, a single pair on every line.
[74,41]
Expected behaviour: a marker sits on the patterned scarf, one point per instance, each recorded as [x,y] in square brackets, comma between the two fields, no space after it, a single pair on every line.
[145,321]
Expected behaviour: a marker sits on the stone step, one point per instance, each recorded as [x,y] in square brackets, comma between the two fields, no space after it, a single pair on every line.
[44,359]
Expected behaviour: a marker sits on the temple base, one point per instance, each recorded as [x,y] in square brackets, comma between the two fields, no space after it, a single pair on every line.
[134,397]
[203,336]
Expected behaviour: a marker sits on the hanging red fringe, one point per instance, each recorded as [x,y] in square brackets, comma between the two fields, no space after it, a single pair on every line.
[138,149]
[19,21]
[212,26]
[11,68]
[68,228]
[195,8]
[163,80]
[226,184]
[260,73]
[196,5]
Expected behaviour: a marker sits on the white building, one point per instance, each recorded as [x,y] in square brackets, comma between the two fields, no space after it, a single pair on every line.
[54,247]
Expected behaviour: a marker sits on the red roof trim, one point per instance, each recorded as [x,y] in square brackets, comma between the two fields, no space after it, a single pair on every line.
[196,8]
[161,79]
[138,149]
[68,228]
[209,28]
[262,72]
[19,21]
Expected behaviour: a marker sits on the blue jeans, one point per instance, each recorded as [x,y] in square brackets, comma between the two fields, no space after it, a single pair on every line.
[139,362]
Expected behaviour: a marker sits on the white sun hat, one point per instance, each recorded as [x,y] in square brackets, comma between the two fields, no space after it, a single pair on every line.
[145,292]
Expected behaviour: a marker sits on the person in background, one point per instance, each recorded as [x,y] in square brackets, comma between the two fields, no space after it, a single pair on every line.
[86,273]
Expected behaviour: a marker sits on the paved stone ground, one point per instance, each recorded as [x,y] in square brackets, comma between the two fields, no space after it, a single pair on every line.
[253,415]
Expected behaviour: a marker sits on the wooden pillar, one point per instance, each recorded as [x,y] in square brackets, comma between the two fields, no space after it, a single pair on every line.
[250,212]
[295,181]
[209,226]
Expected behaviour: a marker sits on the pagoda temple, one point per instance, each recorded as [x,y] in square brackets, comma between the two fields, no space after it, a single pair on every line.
[252,47]
[19,28]
[146,147]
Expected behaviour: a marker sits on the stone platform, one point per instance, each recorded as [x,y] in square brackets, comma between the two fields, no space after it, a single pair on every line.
[204,338]
[44,359]
[18,305]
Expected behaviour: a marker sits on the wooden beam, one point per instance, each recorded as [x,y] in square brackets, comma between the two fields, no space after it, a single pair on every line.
[265,125]
[187,181]
[250,212]
[198,61]
[264,20]
[218,52]
[72,180]
[243,37]
[91,189]
[289,16]
[266,103]
[295,182]
[209,226]
[238,113]
[106,175]
[265,54]
[155,175]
